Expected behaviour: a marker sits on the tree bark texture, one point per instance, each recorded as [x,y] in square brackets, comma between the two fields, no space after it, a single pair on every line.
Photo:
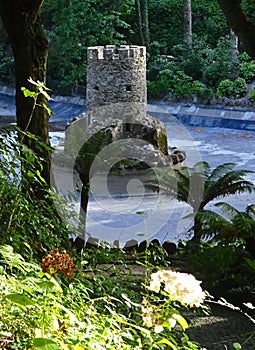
[240,23]
[187,24]
[30,48]
[143,21]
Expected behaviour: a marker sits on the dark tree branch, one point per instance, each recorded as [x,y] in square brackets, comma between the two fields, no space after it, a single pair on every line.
[240,23]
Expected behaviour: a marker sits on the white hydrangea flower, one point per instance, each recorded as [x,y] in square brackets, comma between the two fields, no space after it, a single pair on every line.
[181,287]
[155,282]
[158,328]
[172,322]
[149,315]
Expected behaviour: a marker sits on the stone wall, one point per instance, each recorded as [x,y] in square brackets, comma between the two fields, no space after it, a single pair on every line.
[116,75]
[117,96]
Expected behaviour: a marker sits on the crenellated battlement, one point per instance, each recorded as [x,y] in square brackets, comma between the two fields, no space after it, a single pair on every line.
[116,75]
[111,52]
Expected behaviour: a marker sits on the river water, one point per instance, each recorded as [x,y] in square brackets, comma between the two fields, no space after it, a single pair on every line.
[119,207]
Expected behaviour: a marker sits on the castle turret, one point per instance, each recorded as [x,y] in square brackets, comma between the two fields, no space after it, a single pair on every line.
[116,75]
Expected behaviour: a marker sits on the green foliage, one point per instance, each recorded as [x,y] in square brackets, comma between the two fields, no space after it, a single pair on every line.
[225,88]
[247,71]
[232,89]
[167,31]
[41,310]
[46,312]
[239,87]
[209,21]
[249,8]
[233,226]
[198,186]
[166,22]
[223,271]
[72,27]
[220,63]
[201,91]
[175,82]
[197,72]
[251,95]
[244,58]
[6,66]
[24,220]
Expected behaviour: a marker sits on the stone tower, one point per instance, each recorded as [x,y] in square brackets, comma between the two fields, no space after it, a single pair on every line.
[116,101]
[116,75]
[116,90]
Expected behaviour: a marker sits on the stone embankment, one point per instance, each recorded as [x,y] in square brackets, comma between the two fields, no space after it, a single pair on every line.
[212,116]
[66,108]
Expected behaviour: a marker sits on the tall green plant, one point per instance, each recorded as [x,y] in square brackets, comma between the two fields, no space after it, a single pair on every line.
[231,226]
[23,219]
[43,310]
[200,184]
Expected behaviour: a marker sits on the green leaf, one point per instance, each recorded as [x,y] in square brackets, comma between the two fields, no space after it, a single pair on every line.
[47,286]
[39,176]
[20,299]
[181,320]
[167,342]
[5,334]
[28,93]
[44,344]
[47,109]
[41,274]
[237,346]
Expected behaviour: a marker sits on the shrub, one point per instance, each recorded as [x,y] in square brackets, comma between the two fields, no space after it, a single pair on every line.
[201,90]
[182,84]
[223,268]
[6,66]
[232,89]
[24,220]
[251,95]
[239,87]
[220,64]
[194,61]
[178,83]
[163,84]
[247,71]
[225,88]
[244,57]
[45,310]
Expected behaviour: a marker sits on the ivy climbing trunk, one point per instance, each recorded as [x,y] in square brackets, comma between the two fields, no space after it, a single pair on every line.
[30,48]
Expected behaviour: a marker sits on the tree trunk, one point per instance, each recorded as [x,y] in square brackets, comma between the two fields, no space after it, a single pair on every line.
[241,24]
[197,228]
[143,21]
[30,48]
[80,240]
[84,203]
[187,24]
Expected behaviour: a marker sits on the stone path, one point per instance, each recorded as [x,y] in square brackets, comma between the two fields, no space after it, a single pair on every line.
[223,328]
